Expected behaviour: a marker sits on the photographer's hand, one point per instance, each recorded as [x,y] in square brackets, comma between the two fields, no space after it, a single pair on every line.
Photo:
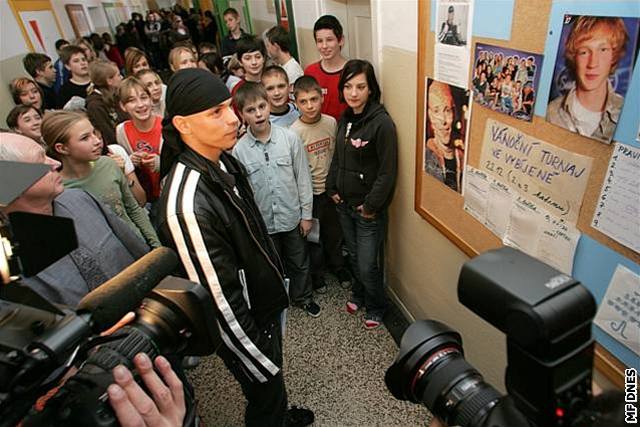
[134,407]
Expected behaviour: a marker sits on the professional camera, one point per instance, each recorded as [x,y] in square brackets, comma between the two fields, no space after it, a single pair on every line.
[40,342]
[546,316]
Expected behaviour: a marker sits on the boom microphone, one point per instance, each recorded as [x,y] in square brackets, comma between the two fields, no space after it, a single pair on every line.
[125,291]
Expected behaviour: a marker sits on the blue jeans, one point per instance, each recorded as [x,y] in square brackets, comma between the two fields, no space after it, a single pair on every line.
[364,239]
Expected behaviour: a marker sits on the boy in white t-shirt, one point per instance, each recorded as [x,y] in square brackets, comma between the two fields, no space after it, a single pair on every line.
[278,47]
[318,134]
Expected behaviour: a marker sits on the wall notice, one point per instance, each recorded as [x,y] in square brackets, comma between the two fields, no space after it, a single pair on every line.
[618,208]
[555,179]
[541,235]
[518,221]
[453,44]
[488,200]
[619,312]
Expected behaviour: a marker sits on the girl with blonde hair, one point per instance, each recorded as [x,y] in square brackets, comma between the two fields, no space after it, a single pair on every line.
[72,139]
[141,136]
[157,89]
[182,57]
[101,104]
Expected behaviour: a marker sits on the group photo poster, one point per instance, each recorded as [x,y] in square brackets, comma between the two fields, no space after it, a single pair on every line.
[447,113]
[593,70]
[506,80]
[454,19]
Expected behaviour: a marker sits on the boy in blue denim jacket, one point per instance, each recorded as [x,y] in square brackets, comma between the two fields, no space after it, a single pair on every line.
[279,175]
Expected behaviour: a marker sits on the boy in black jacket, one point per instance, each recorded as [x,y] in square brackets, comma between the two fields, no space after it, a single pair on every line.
[208,215]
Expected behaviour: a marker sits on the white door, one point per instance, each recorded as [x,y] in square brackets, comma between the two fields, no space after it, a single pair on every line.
[359,29]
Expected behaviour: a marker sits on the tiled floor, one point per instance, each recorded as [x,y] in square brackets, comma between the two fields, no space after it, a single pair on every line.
[332,365]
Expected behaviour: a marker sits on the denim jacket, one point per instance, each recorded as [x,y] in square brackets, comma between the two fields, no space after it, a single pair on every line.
[280,177]
[559,113]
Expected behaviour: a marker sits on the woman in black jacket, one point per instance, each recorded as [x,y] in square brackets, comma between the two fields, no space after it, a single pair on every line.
[361,181]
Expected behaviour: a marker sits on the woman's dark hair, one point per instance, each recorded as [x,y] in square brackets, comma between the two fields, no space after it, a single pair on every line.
[213,61]
[359,66]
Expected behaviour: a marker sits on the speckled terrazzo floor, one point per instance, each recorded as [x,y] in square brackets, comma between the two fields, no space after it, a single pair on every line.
[332,365]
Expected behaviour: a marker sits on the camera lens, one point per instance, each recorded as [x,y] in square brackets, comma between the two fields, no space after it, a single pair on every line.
[431,369]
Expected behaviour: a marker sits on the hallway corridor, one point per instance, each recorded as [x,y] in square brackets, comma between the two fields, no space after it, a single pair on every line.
[332,365]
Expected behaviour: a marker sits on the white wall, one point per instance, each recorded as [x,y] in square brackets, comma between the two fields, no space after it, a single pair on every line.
[12,47]
[259,11]
[306,12]
[396,23]
[12,42]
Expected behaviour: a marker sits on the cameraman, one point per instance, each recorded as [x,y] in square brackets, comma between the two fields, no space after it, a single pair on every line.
[98,229]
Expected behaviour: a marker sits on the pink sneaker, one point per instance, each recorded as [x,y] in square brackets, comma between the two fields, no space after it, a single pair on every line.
[352,307]
[372,321]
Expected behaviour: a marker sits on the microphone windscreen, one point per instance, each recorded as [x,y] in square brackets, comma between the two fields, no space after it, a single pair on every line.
[125,291]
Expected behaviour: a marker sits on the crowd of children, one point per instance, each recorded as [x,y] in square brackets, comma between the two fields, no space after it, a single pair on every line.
[318,147]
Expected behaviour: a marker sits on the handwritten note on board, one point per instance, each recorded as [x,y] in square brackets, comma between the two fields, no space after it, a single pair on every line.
[488,200]
[554,178]
[541,235]
[618,208]
[619,311]
[519,221]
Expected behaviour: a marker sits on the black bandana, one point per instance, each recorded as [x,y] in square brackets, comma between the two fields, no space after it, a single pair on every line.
[190,91]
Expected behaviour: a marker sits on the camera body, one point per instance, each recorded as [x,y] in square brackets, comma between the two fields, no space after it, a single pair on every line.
[176,318]
[40,341]
[546,316]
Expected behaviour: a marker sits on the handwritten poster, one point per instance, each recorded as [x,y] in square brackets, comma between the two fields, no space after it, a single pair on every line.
[553,178]
[488,200]
[618,208]
[519,221]
[619,312]
[541,235]
[454,19]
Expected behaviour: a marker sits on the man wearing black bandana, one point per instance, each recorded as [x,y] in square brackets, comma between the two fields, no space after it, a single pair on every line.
[207,213]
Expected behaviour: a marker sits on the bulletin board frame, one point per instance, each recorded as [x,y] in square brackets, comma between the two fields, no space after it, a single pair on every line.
[442,207]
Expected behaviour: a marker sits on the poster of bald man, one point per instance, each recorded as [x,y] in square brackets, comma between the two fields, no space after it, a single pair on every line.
[447,113]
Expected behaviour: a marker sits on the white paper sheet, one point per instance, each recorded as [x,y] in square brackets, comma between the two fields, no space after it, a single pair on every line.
[488,200]
[617,211]
[541,235]
[454,19]
[619,311]
[314,233]
[518,221]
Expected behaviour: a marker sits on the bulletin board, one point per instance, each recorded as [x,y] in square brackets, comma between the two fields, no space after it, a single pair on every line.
[443,207]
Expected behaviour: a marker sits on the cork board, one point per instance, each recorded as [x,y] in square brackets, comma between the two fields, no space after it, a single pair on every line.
[443,208]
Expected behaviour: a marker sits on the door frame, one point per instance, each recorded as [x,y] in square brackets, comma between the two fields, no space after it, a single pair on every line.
[292,25]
